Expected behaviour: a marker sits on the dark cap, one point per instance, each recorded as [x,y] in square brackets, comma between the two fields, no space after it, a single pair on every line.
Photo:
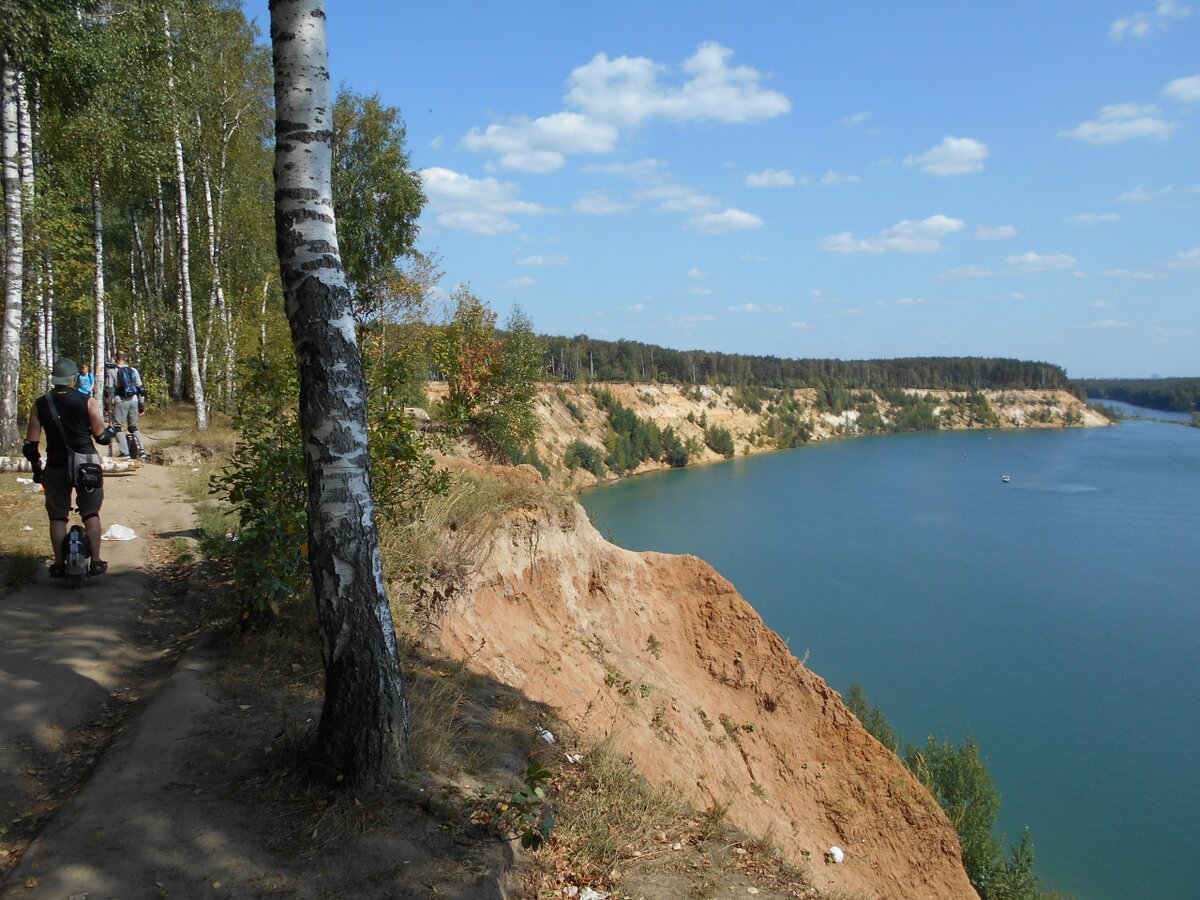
[64,372]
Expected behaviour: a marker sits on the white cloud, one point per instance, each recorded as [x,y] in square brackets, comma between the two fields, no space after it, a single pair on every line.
[907,236]
[746,307]
[910,301]
[1042,262]
[1103,304]
[540,145]
[626,91]
[729,220]
[519,284]
[479,205]
[639,170]
[1108,323]
[637,308]
[706,317]
[819,296]
[995,232]
[1189,258]
[858,118]
[674,197]
[699,291]
[1135,275]
[754,258]
[832,179]
[953,156]
[543,261]
[1123,122]
[1185,90]
[1143,24]
[962,273]
[598,203]
[1092,218]
[437,142]
[796,325]
[770,178]
[696,274]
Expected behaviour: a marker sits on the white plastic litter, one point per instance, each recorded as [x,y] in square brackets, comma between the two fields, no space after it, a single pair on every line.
[837,854]
[21,480]
[118,533]
[27,528]
[574,758]
[588,894]
[546,735]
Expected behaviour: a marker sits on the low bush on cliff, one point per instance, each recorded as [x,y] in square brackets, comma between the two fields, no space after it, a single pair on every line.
[958,777]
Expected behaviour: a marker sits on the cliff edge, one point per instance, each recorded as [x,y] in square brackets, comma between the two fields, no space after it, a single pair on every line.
[661,654]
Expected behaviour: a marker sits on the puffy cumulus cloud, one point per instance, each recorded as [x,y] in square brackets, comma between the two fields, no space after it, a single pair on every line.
[729,220]
[1042,262]
[1185,90]
[923,236]
[746,308]
[479,205]
[833,179]
[542,261]
[1119,122]
[1189,258]
[627,91]
[953,156]
[1143,24]
[995,232]
[1092,218]
[540,145]
[770,178]
[963,273]
[1103,304]
[696,274]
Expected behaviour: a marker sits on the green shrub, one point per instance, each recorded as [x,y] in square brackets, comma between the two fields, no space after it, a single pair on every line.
[582,455]
[719,440]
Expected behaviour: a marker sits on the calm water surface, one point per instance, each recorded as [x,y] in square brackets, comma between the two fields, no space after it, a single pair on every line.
[1056,618]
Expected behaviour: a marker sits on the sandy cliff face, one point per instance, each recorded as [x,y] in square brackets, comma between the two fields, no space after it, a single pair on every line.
[568,413]
[663,654]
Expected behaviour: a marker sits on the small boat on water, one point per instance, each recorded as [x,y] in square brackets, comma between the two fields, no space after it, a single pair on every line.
[1006,478]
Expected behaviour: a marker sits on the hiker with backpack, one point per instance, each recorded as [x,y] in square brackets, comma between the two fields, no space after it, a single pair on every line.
[71,422]
[127,400]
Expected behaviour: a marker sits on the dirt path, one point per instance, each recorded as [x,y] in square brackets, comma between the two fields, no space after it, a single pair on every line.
[72,659]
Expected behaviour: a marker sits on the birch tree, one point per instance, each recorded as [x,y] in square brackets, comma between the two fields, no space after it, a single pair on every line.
[363,727]
[14,247]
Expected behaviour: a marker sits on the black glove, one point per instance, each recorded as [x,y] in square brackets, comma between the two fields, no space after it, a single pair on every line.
[38,473]
[106,436]
[33,453]
[141,407]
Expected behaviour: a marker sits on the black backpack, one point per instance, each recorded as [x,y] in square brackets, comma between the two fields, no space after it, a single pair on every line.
[125,385]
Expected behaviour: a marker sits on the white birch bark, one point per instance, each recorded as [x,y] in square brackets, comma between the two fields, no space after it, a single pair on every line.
[14,259]
[185,277]
[364,720]
[101,330]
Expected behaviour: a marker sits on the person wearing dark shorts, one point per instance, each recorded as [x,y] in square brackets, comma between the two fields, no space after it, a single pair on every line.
[80,421]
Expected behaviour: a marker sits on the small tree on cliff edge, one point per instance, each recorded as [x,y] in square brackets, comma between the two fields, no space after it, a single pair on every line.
[364,719]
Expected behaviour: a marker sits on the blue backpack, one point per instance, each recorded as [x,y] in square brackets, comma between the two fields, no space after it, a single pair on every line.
[124,382]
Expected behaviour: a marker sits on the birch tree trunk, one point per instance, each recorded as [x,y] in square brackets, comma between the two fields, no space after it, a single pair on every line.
[185,277]
[99,355]
[14,259]
[364,720]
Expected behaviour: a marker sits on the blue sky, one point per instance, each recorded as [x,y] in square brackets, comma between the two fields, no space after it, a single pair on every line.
[810,179]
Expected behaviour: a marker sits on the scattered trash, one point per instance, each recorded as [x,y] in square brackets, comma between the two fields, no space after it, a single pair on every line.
[32,488]
[118,533]
[588,894]
[21,480]
[195,470]
[574,758]
[545,735]
[27,528]
[835,854]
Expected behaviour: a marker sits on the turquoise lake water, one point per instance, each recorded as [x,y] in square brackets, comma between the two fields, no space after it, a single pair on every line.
[1056,618]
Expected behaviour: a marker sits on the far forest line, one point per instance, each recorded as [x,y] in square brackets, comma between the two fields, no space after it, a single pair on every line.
[1170,394]
[590,359]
